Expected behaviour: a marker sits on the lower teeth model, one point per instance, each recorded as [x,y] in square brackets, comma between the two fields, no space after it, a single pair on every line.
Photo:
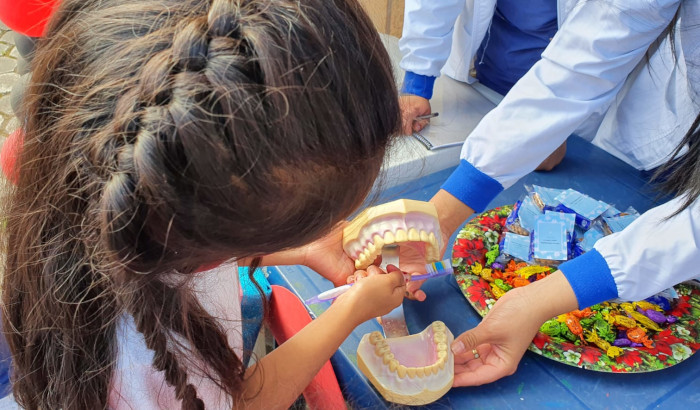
[396,222]
[410,370]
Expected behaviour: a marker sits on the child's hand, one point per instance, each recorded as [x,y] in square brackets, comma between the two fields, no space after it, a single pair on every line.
[375,293]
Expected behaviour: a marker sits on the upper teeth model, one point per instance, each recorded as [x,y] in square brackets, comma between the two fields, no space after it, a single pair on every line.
[410,370]
[396,222]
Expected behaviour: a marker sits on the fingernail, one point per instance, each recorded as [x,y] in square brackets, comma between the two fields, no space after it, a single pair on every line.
[458,347]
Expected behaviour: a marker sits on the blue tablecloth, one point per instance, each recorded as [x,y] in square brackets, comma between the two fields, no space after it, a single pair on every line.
[538,382]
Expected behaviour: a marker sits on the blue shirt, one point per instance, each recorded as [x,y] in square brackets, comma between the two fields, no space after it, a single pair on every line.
[519,33]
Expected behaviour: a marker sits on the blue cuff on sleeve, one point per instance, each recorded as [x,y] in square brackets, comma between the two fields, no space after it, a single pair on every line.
[471,186]
[590,278]
[417,84]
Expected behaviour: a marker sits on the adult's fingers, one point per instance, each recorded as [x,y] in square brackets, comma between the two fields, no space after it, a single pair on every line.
[478,375]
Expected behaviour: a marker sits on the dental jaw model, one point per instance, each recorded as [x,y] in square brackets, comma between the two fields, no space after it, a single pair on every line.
[394,223]
[410,370]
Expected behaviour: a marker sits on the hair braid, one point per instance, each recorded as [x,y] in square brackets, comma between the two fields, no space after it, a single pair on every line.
[164,135]
[152,127]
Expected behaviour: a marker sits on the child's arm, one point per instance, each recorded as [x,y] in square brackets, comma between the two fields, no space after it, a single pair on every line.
[280,377]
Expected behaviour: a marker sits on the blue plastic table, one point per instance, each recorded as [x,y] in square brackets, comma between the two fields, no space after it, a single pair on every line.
[538,382]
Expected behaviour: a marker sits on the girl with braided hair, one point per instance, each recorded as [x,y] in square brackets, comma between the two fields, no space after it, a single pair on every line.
[167,135]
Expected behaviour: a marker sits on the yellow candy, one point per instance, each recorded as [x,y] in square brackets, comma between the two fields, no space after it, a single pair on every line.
[497,292]
[645,321]
[648,305]
[528,271]
[476,268]
[625,321]
[592,336]
[627,307]
[603,344]
[613,352]
[609,318]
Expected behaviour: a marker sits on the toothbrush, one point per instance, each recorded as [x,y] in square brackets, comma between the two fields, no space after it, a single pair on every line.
[434,270]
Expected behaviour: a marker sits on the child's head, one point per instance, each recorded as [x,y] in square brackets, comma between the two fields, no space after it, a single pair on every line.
[163,135]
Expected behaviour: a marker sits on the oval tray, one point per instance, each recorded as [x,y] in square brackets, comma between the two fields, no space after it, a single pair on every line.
[677,342]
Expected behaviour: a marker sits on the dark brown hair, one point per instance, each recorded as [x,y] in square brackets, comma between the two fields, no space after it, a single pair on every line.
[164,135]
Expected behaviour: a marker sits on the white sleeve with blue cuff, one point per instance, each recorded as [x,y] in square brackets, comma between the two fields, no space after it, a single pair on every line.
[580,73]
[652,254]
[426,42]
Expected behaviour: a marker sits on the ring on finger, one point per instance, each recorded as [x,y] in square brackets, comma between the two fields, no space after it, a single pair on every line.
[475,353]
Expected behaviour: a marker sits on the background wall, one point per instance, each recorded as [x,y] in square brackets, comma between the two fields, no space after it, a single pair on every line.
[386,14]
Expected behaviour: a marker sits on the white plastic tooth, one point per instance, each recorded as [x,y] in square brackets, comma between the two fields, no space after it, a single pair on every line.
[388,358]
[375,337]
[442,347]
[401,235]
[438,326]
[434,368]
[372,247]
[401,371]
[442,354]
[413,235]
[440,337]
[381,350]
[367,254]
[411,372]
[442,360]
[423,236]
[378,241]
[362,260]
[394,365]
[432,239]
[389,238]
[420,371]
[358,264]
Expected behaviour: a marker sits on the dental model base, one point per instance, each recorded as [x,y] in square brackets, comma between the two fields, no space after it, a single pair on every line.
[396,222]
[411,370]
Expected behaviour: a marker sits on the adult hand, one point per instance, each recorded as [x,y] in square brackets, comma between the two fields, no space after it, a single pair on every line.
[451,214]
[501,339]
[413,106]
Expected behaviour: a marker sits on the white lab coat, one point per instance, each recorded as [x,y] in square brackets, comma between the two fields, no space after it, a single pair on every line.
[608,75]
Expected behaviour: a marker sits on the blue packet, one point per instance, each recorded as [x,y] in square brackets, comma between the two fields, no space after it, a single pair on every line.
[513,220]
[580,221]
[548,196]
[585,207]
[549,244]
[612,211]
[591,236]
[619,222]
[517,246]
[528,214]
[569,220]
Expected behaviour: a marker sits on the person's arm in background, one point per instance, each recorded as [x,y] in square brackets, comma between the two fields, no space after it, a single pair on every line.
[425,45]
[580,73]
[652,254]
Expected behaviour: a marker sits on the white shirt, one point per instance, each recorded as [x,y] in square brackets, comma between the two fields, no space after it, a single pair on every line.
[136,384]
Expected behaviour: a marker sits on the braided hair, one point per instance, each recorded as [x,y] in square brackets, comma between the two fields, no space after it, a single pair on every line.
[164,135]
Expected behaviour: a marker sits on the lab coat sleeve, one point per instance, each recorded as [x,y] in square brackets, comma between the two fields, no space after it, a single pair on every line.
[580,73]
[426,41]
[652,254]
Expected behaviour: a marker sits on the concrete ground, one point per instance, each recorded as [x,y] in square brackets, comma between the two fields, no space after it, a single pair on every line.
[8,77]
